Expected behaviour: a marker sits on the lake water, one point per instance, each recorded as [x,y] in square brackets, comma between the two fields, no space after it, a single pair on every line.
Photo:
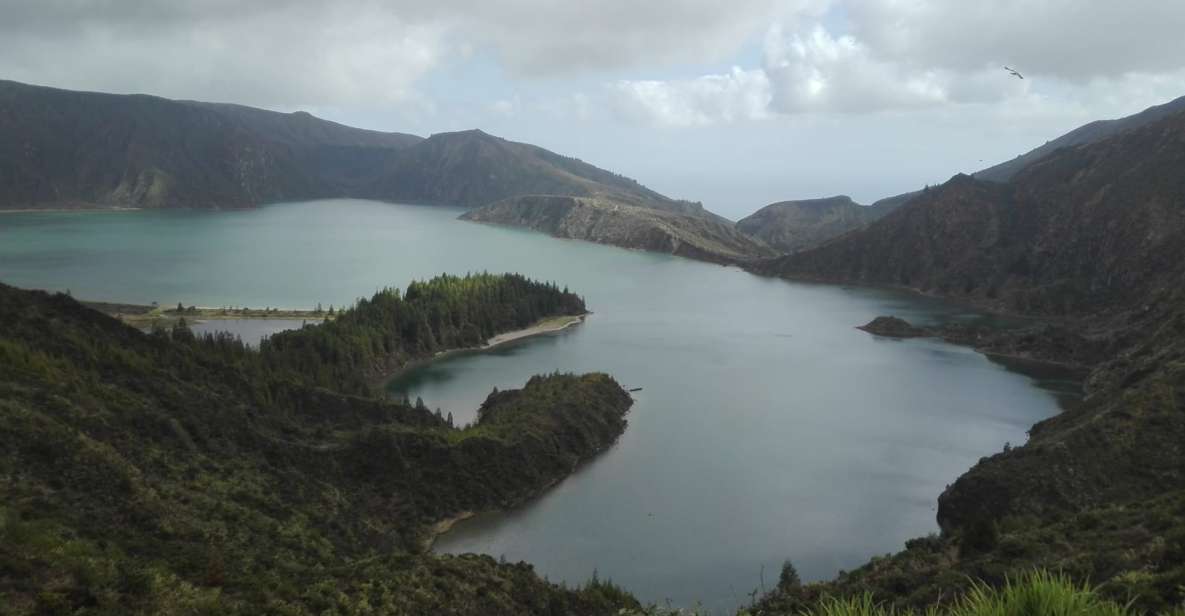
[251,331]
[768,427]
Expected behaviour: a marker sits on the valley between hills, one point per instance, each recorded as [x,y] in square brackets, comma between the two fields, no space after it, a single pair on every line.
[174,473]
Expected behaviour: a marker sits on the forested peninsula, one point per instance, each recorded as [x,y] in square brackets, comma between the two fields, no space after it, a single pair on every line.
[174,473]
[380,335]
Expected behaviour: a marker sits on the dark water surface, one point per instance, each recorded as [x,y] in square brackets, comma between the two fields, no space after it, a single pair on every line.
[768,427]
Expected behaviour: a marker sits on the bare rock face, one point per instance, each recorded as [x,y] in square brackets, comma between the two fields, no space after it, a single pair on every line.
[608,221]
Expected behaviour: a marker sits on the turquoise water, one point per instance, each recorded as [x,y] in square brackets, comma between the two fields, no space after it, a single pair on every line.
[767,428]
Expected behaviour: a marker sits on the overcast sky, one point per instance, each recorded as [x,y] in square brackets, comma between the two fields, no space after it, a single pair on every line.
[736,103]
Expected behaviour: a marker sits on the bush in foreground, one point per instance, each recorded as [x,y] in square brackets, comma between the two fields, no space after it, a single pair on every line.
[1039,593]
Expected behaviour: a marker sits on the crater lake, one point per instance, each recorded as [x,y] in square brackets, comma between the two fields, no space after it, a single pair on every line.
[767,427]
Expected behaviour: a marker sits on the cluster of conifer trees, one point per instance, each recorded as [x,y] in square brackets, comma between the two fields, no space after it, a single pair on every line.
[380,334]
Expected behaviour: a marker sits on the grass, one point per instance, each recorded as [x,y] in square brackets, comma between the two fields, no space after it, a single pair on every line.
[1039,593]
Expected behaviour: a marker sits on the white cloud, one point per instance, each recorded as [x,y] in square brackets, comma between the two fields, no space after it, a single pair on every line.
[878,55]
[505,107]
[732,96]
[815,71]
[850,56]
[1072,40]
[806,72]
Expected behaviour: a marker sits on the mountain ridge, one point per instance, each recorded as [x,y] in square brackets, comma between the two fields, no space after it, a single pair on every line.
[808,233]
[70,149]
[795,225]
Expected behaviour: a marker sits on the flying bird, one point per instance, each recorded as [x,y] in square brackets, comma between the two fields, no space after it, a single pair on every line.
[1014,73]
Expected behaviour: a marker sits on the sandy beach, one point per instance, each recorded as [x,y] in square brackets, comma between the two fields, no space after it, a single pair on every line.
[546,326]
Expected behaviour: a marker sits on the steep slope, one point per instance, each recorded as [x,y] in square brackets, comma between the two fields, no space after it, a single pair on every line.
[609,221]
[808,233]
[791,226]
[150,474]
[472,168]
[65,149]
[60,148]
[1093,234]
[1097,493]
[1087,228]
[1088,133]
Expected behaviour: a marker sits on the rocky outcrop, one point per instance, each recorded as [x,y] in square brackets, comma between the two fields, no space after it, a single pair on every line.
[612,222]
[1037,343]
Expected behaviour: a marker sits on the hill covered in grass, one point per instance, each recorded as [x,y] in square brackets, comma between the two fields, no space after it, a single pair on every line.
[166,473]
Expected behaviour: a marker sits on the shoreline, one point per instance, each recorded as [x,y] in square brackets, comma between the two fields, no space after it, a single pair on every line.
[549,325]
[544,326]
[140,314]
[983,307]
[442,527]
[35,210]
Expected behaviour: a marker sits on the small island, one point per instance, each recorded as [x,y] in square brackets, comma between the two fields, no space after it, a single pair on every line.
[893,327]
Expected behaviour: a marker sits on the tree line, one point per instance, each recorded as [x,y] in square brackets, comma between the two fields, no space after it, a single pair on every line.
[379,335]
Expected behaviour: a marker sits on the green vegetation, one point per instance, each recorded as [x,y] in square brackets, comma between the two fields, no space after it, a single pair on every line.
[1095,494]
[1098,492]
[153,316]
[1039,593]
[379,335]
[172,474]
